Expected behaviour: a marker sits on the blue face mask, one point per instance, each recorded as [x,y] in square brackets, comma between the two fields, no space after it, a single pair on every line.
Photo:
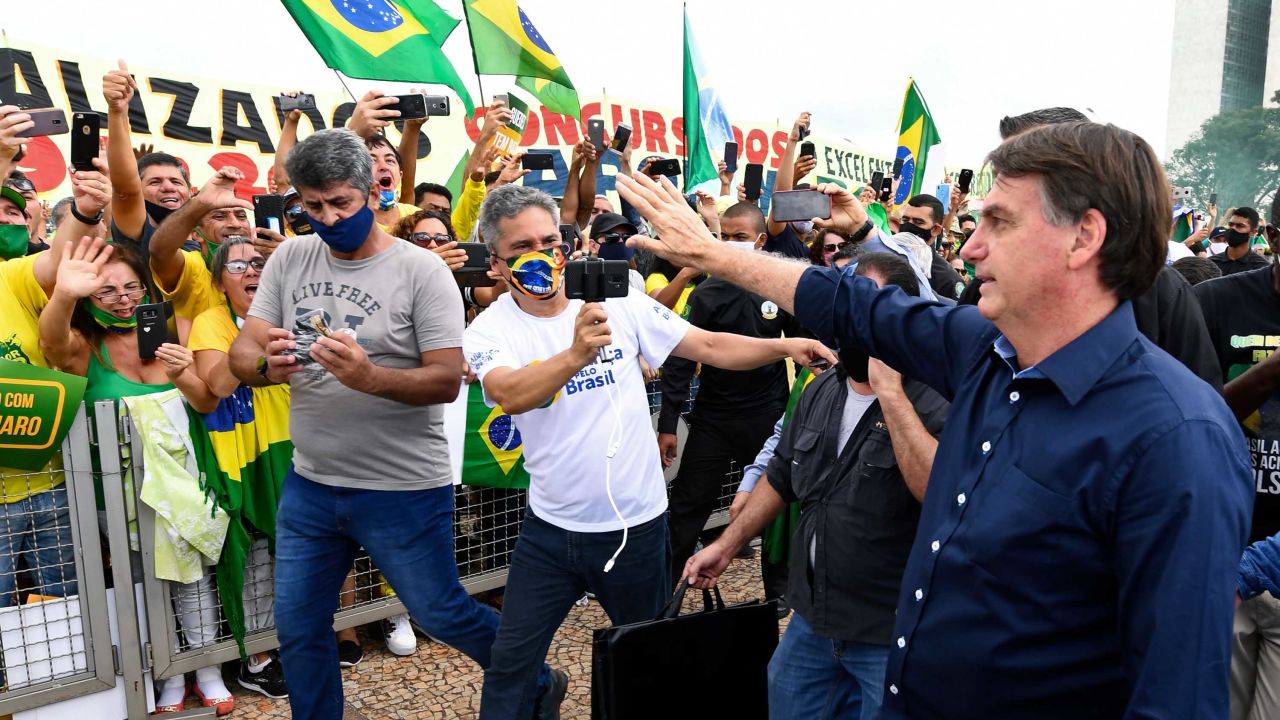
[386,199]
[348,234]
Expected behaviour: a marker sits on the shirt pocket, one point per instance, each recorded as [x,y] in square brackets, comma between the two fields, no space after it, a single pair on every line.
[806,467]
[1016,522]
[876,489]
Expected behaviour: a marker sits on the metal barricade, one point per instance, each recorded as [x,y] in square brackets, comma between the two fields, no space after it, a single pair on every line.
[57,645]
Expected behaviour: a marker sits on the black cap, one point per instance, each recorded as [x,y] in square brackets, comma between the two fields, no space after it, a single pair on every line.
[605,222]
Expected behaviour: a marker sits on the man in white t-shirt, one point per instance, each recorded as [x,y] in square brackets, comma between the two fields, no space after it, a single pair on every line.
[597,500]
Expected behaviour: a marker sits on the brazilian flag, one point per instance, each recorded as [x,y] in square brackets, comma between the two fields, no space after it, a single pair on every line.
[492,451]
[505,42]
[398,41]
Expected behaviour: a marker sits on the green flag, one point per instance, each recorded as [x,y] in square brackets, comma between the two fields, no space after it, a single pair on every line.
[552,95]
[775,541]
[706,126]
[505,42]
[916,134]
[492,452]
[381,40]
[459,176]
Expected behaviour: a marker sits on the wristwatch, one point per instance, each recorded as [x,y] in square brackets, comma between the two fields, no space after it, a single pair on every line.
[263,367]
[75,213]
[862,232]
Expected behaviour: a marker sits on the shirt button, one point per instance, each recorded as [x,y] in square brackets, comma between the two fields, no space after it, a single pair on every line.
[919,593]
[893,689]
[1014,396]
[902,642]
[986,447]
[936,546]
[960,499]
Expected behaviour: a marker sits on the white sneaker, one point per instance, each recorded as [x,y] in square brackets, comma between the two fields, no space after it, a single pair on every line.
[400,637]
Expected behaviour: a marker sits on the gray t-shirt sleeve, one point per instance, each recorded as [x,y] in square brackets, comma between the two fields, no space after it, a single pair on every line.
[438,313]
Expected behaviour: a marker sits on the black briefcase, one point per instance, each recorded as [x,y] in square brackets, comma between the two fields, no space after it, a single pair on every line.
[712,663]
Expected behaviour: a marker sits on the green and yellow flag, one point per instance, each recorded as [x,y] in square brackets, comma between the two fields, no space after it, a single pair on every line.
[396,40]
[916,134]
[505,42]
[553,96]
[492,451]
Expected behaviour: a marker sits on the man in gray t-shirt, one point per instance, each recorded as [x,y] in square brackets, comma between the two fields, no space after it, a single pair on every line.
[371,466]
[399,304]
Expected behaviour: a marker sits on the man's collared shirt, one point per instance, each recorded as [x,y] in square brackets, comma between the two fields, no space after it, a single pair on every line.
[1077,547]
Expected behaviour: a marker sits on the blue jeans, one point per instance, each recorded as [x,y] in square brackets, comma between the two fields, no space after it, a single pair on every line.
[550,569]
[39,529]
[812,677]
[409,535]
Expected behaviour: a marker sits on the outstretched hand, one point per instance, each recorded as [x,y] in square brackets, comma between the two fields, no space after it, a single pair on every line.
[80,272]
[220,191]
[682,237]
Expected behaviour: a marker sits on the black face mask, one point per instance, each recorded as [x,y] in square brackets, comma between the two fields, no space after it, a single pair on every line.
[157,212]
[853,362]
[1235,238]
[924,234]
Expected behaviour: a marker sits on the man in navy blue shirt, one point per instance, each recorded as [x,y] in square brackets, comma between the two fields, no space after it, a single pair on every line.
[1090,498]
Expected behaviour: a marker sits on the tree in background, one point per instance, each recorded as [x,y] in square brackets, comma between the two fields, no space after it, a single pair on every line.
[1235,154]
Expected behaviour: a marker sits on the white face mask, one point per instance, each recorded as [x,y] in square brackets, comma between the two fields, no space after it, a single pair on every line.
[743,245]
[802,226]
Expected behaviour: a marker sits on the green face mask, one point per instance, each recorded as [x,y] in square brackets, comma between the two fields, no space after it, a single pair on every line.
[13,241]
[109,320]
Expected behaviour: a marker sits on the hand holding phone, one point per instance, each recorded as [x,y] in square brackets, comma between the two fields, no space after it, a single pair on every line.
[798,205]
[48,121]
[298,101]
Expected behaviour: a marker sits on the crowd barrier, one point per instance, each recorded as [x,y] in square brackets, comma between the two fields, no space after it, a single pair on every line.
[99,652]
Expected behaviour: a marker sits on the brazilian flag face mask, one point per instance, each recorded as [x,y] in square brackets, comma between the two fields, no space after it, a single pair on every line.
[537,274]
[13,241]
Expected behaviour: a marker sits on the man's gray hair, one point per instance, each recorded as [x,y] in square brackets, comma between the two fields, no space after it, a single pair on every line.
[331,156]
[506,202]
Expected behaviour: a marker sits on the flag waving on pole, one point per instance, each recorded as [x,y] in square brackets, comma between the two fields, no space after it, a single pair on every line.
[381,40]
[916,135]
[504,41]
[706,126]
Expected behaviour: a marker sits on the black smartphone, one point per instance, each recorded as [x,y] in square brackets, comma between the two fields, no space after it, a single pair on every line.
[411,106]
[753,181]
[794,205]
[886,189]
[156,326]
[595,132]
[49,121]
[477,257]
[621,136]
[268,212]
[877,178]
[1213,199]
[667,166]
[897,168]
[966,179]
[594,280]
[85,127]
[303,101]
[437,105]
[819,364]
[807,150]
[569,236]
[731,156]
[537,161]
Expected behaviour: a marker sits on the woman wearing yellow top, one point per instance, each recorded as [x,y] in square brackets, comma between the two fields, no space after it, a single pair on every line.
[89,328]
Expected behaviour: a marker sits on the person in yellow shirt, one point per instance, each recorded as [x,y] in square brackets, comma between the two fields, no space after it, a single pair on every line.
[183,275]
[34,515]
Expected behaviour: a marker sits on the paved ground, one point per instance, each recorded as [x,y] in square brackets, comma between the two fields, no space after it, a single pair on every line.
[441,684]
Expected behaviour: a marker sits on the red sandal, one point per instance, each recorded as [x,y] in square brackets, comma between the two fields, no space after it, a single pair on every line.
[174,708]
[221,705]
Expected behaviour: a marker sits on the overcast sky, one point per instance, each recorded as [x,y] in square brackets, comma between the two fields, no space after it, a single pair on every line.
[845,61]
